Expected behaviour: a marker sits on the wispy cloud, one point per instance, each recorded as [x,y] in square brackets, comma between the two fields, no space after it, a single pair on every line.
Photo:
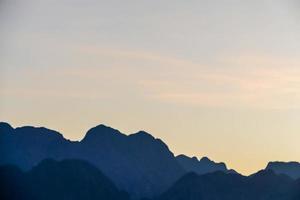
[259,82]
[246,80]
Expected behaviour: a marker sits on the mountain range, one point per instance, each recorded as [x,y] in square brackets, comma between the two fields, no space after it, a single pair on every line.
[292,169]
[263,185]
[139,164]
[202,166]
[67,179]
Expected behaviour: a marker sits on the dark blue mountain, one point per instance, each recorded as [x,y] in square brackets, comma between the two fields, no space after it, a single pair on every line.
[138,163]
[202,166]
[264,185]
[68,179]
[106,162]
[292,169]
[26,146]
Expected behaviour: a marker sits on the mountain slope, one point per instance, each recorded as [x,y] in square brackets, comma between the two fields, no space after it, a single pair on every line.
[138,163]
[265,185]
[27,146]
[202,166]
[68,179]
[291,169]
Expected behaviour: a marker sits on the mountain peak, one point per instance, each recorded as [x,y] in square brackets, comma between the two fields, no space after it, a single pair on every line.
[211,162]
[205,159]
[195,158]
[101,132]
[103,127]
[142,134]
[202,166]
[182,156]
[5,127]
[38,131]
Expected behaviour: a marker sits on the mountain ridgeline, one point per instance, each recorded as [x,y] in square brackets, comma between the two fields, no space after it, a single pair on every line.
[139,164]
[67,179]
[202,166]
[292,169]
[40,163]
[264,185]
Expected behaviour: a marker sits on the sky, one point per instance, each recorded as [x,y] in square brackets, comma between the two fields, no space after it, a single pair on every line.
[210,78]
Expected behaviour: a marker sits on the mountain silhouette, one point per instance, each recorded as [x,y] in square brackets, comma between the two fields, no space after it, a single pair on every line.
[79,180]
[137,163]
[202,166]
[27,146]
[68,179]
[264,185]
[38,162]
[292,169]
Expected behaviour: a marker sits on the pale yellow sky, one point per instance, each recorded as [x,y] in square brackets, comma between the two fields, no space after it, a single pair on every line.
[210,78]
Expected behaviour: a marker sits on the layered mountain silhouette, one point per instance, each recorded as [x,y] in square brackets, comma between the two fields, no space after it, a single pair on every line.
[292,169]
[139,164]
[202,166]
[68,179]
[264,185]
[79,180]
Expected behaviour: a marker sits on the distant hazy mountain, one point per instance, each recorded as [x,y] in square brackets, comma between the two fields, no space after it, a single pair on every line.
[264,185]
[292,169]
[64,180]
[138,163]
[202,166]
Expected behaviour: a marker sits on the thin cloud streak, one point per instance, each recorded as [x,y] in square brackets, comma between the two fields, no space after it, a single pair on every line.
[254,87]
[247,81]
